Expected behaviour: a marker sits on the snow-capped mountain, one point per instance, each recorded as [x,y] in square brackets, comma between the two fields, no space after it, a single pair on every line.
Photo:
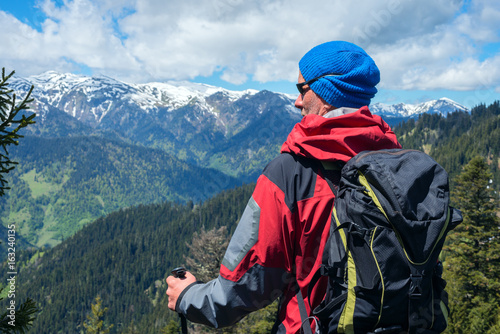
[442,106]
[91,99]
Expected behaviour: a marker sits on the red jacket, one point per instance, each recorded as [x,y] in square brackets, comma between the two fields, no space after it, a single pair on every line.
[282,232]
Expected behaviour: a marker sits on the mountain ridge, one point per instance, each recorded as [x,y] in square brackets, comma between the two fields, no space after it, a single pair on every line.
[51,86]
[442,106]
[201,124]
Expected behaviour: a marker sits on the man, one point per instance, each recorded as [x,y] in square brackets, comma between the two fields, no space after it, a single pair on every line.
[278,244]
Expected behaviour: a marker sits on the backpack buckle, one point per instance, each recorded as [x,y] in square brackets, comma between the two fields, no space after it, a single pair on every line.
[337,270]
[415,286]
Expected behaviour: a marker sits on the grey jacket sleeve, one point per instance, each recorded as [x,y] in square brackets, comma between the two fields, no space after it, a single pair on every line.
[221,302]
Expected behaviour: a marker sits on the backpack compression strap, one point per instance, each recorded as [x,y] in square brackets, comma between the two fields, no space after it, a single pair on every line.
[306,327]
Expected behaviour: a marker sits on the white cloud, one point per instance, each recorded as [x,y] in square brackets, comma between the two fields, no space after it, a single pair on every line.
[447,58]
[427,44]
[78,33]
[82,31]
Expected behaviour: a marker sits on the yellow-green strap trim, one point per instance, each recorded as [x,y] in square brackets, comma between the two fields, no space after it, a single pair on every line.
[345,324]
[364,182]
[381,277]
[445,311]
[346,321]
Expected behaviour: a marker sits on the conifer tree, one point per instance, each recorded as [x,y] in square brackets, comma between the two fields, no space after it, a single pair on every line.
[22,318]
[10,124]
[171,328]
[472,255]
[95,320]
[207,249]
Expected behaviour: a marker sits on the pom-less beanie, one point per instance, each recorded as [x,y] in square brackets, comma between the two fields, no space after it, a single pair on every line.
[354,87]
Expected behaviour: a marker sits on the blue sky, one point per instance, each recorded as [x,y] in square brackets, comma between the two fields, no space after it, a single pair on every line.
[425,49]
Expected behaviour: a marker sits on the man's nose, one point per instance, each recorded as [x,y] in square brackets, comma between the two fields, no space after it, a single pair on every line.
[298,102]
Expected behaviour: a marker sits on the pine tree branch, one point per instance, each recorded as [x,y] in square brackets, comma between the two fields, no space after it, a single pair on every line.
[11,124]
[23,318]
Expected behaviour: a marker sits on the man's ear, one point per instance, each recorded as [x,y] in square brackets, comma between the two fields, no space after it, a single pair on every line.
[326,108]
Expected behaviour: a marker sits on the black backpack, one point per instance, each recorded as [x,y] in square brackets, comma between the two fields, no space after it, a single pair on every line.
[390,219]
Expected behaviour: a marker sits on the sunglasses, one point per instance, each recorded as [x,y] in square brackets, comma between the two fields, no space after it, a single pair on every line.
[300,86]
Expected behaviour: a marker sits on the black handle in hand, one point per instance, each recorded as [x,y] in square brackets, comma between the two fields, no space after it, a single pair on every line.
[179,272]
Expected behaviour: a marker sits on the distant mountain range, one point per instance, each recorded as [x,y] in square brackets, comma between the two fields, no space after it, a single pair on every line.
[443,106]
[236,132]
[94,100]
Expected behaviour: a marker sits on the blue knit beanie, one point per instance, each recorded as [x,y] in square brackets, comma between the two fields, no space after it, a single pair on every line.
[355,86]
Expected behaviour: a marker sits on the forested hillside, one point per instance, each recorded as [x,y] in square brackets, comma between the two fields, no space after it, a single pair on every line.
[123,258]
[454,140]
[64,183]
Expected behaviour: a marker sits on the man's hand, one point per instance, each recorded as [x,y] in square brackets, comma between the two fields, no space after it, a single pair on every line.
[176,286]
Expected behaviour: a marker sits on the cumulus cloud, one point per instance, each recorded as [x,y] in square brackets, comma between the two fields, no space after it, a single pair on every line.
[427,44]
[449,57]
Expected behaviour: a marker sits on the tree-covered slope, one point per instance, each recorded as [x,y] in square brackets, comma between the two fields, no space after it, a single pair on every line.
[123,258]
[454,140]
[62,184]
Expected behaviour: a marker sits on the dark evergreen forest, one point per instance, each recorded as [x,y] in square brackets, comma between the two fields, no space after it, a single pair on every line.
[124,258]
[454,140]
